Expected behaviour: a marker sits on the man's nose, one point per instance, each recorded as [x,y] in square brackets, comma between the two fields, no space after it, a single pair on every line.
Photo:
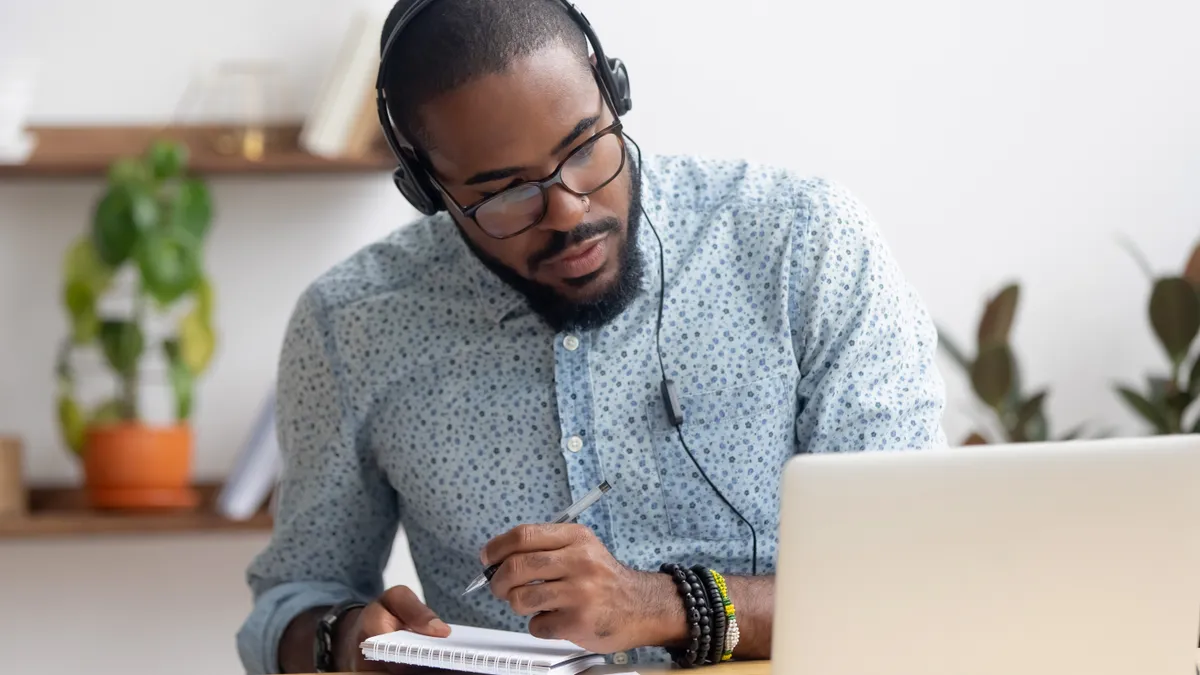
[564,211]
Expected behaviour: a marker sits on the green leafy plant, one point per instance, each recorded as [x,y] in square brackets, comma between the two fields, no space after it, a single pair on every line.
[151,219]
[995,377]
[1174,313]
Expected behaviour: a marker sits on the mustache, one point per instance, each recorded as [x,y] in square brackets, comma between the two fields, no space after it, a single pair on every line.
[561,241]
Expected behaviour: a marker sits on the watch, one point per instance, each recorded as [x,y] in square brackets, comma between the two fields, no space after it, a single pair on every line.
[323,647]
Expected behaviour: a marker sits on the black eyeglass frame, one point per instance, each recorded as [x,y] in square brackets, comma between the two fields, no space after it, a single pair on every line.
[544,184]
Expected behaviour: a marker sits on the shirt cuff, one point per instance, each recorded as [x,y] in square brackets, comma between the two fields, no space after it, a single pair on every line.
[258,638]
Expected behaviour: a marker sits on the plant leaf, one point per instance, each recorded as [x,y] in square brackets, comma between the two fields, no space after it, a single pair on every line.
[1012,401]
[1175,315]
[113,230]
[197,342]
[998,317]
[1191,271]
[1073,433]
[975,439]
[86,278]
[112,410]
[127,171]
[182,380]
[170,264]
[192,209]
[82,264]
[953,350]
[204,298]
[1193,383]
[1030,408]
[81,307]
[1152,413]
[1179,402]
[1137,255]
[992,374]
[1160,388]
[72,423]
[123,344]
[166,158]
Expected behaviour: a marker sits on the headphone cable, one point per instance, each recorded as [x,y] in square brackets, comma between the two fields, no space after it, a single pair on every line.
[662,281]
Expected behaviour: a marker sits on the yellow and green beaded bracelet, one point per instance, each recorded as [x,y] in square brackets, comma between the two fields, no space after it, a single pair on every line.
[731,630]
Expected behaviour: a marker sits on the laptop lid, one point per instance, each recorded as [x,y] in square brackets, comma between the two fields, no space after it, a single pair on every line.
[1040,559]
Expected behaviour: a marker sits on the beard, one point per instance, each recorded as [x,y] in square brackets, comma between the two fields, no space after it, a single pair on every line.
[562,313]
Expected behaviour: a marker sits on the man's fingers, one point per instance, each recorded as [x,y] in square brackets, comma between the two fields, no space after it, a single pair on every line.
[411,613]
[527,538]
[377,620]
[551,625]
[529,600]
[523,568]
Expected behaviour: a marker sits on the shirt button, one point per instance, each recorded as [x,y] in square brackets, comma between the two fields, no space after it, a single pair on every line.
[571,343]
[574,444]
[620,658]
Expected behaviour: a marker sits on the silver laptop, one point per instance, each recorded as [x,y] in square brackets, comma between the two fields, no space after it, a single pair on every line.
[1079,558]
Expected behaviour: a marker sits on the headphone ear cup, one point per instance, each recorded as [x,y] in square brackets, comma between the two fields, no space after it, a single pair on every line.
[416,188]
[620,79]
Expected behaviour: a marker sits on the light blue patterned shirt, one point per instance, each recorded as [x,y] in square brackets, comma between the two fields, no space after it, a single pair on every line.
[417,390]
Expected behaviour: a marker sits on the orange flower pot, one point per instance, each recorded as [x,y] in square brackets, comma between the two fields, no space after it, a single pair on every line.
[137,467]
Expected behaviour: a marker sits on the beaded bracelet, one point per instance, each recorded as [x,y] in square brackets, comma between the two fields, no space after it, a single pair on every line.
[696,610]
[707,615]
[732,635]
[717,646]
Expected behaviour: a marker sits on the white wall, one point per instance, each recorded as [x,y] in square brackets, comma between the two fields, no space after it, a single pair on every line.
[132,605]
[992,140]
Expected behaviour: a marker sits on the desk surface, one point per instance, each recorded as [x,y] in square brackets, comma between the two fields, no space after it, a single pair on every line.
[731,668]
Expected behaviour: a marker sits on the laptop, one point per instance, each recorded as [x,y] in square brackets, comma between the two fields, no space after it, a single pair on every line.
[1068,558]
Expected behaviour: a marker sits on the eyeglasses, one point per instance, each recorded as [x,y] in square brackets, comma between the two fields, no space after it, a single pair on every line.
[588,168]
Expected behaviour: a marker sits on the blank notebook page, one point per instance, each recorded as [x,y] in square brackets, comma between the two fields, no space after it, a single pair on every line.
[481,650]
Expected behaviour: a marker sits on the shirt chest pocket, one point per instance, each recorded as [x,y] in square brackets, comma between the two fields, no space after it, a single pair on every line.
[740,436]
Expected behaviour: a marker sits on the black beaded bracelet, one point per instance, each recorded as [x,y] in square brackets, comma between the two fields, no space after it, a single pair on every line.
[706,616]
[717,603]
[696,610]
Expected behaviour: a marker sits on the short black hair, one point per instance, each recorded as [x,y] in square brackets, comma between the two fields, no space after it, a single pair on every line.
[453,42]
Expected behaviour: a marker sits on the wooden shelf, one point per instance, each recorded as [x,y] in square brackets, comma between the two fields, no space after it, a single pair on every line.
[64,512]
[66,151]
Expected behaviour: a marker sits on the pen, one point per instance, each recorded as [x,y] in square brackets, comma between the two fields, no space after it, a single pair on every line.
[571,513]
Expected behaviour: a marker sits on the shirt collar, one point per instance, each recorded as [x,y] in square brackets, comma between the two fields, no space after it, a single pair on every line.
[496,299]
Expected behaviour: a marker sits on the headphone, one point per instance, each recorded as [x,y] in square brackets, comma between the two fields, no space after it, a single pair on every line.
[413,181]
[411,176]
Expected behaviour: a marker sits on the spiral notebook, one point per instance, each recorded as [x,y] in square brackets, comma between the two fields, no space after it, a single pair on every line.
[482,650]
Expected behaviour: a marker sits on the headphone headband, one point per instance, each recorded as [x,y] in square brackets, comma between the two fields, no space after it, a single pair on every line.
[410,175]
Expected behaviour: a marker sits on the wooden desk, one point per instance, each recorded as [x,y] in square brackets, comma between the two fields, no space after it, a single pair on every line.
[731,668]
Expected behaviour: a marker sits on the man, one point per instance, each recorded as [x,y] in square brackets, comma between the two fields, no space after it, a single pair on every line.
[479,370]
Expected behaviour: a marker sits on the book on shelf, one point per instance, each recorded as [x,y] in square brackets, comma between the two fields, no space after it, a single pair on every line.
[255,473]
[342,121]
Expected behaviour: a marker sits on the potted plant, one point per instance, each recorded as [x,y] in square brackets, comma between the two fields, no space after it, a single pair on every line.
[1174,313]
[1017,416]
[149,224]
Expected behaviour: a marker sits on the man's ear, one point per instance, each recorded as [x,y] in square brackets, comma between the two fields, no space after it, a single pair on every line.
[592,58]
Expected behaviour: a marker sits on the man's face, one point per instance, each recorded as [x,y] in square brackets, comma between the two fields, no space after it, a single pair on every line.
[518,126]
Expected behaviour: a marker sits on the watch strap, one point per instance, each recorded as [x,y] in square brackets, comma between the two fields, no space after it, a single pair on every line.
[324,647]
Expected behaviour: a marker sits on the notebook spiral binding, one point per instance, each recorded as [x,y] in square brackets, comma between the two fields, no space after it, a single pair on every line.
[456,659]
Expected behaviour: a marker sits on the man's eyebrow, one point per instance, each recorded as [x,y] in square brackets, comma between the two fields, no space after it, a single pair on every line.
[494,174]
[584,124]
[510,171]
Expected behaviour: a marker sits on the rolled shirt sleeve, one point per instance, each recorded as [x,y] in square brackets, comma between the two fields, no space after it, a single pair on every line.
[865,341]
[336,514]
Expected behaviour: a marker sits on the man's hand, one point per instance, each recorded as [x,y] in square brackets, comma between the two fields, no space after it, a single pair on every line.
[575,590]
[397,609]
